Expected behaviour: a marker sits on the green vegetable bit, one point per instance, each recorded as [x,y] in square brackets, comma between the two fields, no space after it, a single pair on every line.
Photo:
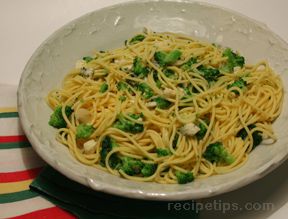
[184,178]
[107,145]
[146,91]
[169,73]
[188,65]
[175,140]
[84,131]
[156,79]
[210,74]
[162,152]
[121,86]
[217,153]
[256,135]
[131,166]
[128,126]
[139,69]
[164,58]
[241,83]
[136,39]
[103,88]
[122,98]
[87,59]
[233,60]
[56,118]
[148,169]
[162,103]
[201,133]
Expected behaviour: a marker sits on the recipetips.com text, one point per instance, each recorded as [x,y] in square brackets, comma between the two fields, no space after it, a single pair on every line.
[218,205]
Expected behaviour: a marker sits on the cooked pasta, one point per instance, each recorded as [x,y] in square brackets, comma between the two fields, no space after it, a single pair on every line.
[166,108]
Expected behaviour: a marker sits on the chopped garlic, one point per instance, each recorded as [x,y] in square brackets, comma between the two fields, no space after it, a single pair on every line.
[86,71]
[169,92]
[89,146]
[83,115]
[189,129]
[151,104]
[80,64]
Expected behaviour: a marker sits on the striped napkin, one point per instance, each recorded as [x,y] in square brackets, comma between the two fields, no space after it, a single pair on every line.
[19,165]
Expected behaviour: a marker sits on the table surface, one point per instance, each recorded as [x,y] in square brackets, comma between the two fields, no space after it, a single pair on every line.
[25,24]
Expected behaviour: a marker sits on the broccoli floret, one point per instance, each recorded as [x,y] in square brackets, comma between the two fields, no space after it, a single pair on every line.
[232,61]
[103,88]
[187,65]
[169,73]
[156,79]
[146,91]
[184,178]
[210,74]
[128,126]
[106,146]
[217,153]
[201,133]
[148,169]
[162,152]
[162,103]
[122,98]
[131,166]
[121,85]
[239,83]
[87,59]
[84,131]
[175,140]
[139,69]
[136,39]
[163,58]
[57,120]
[257,137]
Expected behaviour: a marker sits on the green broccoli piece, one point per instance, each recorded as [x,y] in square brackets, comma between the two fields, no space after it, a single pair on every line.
[139,69]
[128,126]
[121,86]
[107,145]
[162,152]
[146,91]
[217,153]
[103,88]
[239,83]
[257,135]
[87,59]
[148,169]
[163,58]
[156,79]
[187,65]
[57,120]
[210,74]
[200,135]
[136,39]
[162,103]
[232,61]
[84,131]
[170,74]
[184,178]
[175,140]
[122,98]
[131,166]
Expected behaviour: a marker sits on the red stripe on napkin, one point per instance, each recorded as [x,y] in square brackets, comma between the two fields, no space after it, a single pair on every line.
[20,175]
[13,138]
[54,212]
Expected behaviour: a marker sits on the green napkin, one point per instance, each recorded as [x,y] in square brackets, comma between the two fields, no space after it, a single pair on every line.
[86,203]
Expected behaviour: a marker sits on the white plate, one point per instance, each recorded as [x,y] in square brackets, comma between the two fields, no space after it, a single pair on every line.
[107,29]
